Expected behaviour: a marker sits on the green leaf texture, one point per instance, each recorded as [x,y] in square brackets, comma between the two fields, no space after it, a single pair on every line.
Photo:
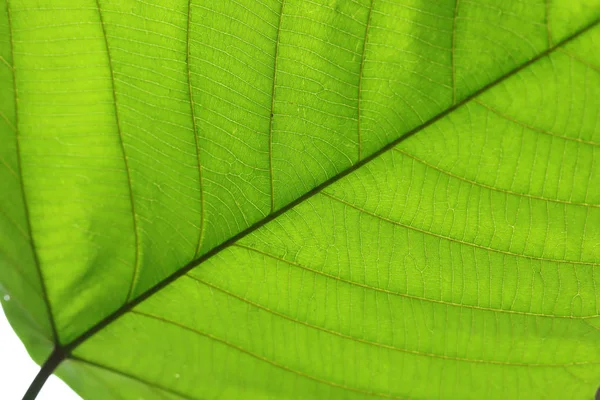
[303,199]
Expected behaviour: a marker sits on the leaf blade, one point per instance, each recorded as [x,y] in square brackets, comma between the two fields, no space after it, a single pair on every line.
[154,276]
[410,300]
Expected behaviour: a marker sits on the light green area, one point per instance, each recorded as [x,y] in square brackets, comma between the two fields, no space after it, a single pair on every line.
[461,263]
[20,286]
[99,383]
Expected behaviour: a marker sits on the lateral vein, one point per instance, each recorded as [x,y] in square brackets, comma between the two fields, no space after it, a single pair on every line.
[127,169]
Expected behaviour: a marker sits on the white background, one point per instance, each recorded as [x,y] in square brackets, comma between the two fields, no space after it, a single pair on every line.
[17,370]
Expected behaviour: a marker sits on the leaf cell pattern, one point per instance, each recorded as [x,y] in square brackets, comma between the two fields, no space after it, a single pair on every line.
[384,199]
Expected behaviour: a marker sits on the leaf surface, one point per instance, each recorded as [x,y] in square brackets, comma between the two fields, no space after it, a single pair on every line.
[346,199]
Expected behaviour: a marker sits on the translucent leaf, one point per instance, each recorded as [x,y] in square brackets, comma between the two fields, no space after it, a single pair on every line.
[303,199]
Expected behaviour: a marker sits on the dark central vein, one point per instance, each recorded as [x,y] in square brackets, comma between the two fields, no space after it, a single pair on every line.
[62,352]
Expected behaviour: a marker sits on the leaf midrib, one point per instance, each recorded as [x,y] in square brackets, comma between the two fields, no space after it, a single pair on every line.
[63,351]
[194,263]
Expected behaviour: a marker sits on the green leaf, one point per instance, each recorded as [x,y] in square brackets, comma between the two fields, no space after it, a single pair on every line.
[303,199]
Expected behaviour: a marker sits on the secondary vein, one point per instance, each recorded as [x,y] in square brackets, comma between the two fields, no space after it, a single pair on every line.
[360,78]
[194,125]
[273,106]
[22,185]
[127,169]
[68,348]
